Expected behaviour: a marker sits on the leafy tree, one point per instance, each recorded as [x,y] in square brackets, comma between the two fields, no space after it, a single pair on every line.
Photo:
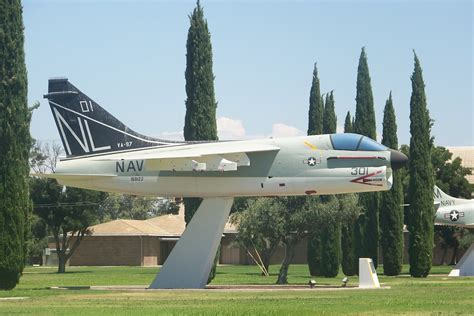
[315,113]
[365,125]
[420,189]
[200,120]
[299,216]
[37,239]
[330,119]
[135,207]
[391,216]
[260,228]
[348,123]
[15,142]
[450,175]
[448,237]
[67,212]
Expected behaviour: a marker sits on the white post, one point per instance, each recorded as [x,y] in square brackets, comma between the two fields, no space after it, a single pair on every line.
[367,275]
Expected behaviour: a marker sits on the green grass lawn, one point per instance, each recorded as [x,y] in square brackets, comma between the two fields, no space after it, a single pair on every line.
[436,294]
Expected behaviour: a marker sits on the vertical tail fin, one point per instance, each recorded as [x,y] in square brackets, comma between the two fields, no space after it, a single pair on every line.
[440,195]
[86,128]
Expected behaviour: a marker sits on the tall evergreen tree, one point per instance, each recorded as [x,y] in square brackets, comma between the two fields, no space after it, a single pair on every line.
[365,112]
[420,188]
[314,251]
[315,113]
[365,125]
[315,127]
[15,142]
[330,119]
[331,232]
[200,121]
[348,123]
[349,259]
[391,212]
[331,248]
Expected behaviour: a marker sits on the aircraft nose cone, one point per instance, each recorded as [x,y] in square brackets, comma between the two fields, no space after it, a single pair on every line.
[397,159]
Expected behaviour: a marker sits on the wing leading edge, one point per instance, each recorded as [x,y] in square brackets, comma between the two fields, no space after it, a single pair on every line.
[226,156]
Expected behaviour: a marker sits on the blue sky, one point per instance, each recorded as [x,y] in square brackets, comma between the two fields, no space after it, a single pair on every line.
[129,56]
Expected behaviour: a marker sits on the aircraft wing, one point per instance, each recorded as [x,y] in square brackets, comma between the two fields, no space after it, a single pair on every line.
[214,157]
[72,176]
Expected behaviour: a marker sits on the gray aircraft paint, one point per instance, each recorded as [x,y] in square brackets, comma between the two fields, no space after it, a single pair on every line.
[282,172]
[453,211]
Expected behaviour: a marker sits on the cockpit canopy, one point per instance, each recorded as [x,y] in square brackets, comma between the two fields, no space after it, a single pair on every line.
[349,141]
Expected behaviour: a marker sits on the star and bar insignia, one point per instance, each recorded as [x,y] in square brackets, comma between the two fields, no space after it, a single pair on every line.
[311,161]
[454,215]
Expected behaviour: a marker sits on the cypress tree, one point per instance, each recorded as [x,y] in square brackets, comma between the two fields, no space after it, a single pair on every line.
[314,252]
[420,188]
[348,123]
[365,112]
[200,121]
[331,231]
[331,248]
[15,142]
[391,212]
[315,127]
[365,125]
[349,259]
[330,119]
[315,113]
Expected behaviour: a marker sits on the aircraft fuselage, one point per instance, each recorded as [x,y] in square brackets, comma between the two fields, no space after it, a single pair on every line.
[302,166]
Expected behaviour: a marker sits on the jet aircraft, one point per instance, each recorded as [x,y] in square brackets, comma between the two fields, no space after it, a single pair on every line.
[104,154]
[453,211]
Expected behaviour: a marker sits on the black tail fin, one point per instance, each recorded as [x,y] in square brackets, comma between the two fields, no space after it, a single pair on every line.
[86,128]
